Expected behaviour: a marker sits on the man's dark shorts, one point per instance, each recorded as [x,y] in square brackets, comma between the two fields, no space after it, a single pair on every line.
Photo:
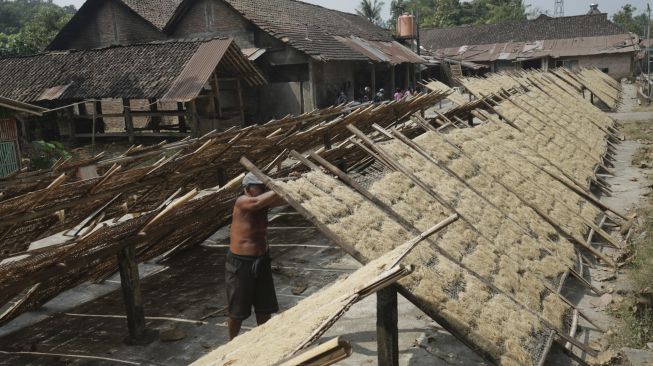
[249,283]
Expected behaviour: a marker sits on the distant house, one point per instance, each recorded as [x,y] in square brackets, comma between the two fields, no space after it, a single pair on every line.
[542,43]
[135,86]
[10,132]
[308,53]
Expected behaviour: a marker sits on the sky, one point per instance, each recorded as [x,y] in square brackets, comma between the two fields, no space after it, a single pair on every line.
[572,7]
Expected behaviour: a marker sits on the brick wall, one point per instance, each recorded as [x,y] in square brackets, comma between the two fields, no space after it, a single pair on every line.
[214,18]
[112,23]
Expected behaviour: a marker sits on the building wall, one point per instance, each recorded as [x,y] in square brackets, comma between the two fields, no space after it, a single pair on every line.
[618,66]
[329,78]
[112,23]
[281,99]
[214,18]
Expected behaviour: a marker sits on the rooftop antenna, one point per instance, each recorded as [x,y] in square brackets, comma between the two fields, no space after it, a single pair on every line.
[559,9]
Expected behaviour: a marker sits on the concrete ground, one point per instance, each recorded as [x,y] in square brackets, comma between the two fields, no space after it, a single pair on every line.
[629,185]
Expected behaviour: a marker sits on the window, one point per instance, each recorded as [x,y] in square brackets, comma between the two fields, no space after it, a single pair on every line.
[569,64]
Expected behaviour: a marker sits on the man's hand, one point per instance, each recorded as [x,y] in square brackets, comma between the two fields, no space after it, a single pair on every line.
[295,174]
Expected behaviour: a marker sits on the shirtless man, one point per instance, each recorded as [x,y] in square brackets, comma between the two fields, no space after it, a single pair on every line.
[248,274]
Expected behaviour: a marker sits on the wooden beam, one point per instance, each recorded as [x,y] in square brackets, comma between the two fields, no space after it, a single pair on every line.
[325,354]
[194,119]
[99,121]
[241,105]
[216,89]
[129,122]
[155,120]
[131,291]
[433,194]
[387,329]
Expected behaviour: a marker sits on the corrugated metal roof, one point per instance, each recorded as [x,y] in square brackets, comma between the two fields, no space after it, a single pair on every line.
[22,107]
[253,53]
[380,51]
[53,93]
[198,70]
[586,46]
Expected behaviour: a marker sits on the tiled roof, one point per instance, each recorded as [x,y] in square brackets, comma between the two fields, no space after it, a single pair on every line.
[136,72]
[310,28]
[542,28]
[157,12]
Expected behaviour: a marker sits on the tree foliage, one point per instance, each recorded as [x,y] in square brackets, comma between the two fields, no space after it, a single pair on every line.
[371,9]
[28,26]
[397,8]
[443,13]
[627,19]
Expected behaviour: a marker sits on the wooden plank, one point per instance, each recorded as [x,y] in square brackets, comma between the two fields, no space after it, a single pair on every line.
[325,354]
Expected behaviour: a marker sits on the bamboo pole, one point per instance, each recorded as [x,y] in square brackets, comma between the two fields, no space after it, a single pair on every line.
[418,182]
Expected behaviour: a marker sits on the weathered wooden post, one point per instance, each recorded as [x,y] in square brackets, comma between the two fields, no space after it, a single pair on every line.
[181,118]
[129,121]
[387,331]
[131,292]
[194,119]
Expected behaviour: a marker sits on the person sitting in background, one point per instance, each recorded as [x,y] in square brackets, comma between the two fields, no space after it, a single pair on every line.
[407,93]
[342,98]
[366,94]
[398,95]
[380,96]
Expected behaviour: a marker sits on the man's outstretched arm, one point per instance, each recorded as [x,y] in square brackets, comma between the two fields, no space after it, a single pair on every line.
[265,200]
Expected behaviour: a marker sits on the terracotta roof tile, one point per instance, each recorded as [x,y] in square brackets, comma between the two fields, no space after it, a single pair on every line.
[542,28]
[135,71]
[157,12]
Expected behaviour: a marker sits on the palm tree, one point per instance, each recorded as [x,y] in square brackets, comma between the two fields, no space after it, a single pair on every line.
[371,9]
[397,8]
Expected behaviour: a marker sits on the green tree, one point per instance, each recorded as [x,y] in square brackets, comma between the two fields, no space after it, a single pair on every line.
[371,9]
[397,8]
[626,19]
[28,26]
[443,13]
[506,10]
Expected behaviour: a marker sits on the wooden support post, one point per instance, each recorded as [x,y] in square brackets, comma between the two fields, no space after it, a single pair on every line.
[241,106]
[327,141]
[222,177]
[592,97]
[407,81]
[129,121]
[393,82]
[194,119]
[182,119]
[155,122]
[373,81]
[131,291]
[70,115]
[99,123]
[387,330]
[216,94]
